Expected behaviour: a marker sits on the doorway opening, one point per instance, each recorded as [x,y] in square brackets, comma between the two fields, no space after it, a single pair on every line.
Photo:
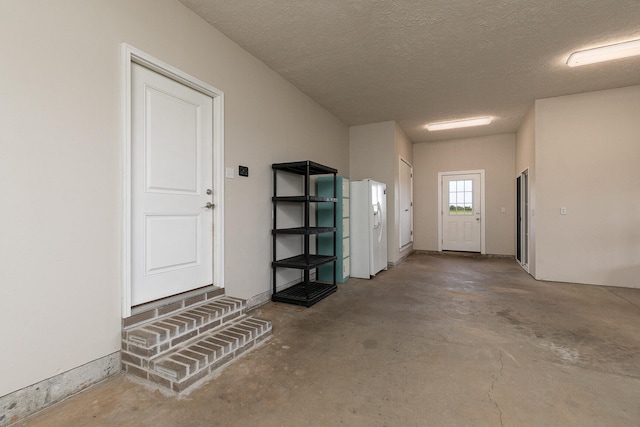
[522,219]
[168,224]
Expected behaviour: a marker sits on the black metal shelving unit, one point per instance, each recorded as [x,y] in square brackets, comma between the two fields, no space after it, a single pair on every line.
[306,292]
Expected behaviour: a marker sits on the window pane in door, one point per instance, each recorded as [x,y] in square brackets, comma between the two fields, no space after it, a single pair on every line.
[461,197]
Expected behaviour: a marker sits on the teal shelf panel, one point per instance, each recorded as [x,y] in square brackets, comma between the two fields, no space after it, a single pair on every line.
[324,218]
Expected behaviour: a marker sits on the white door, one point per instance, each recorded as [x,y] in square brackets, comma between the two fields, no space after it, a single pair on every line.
[461,213]
[171,184]
[406,205]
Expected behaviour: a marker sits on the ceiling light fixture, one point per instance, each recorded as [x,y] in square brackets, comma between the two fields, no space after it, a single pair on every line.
[604,53]
[464,123]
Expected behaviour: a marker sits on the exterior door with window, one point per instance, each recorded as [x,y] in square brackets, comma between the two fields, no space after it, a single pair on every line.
[461,213]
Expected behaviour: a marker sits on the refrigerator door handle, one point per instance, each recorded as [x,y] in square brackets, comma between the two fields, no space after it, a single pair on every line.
[376,215]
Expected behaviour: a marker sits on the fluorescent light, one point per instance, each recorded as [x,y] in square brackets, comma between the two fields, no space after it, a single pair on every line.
[604,53]
[464,123]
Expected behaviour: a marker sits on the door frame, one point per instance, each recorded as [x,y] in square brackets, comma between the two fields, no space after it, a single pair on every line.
[399,213]
[132,55]
[441,175]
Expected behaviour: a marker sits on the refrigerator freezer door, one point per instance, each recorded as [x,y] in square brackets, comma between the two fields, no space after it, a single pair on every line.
[379,230]
[368,228]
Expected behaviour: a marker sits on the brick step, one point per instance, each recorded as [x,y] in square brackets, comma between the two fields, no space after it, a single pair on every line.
[182,347]
[195,359]
[160,335]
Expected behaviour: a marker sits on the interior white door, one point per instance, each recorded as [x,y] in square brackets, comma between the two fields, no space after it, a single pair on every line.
[461,213]
[171,211]
[406,205]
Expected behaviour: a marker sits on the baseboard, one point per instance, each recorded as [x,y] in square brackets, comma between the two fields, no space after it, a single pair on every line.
[401,259]
[27,401]
[258,300]
[265,297]
[463,254]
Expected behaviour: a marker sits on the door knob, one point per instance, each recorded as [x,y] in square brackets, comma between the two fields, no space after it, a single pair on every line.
[209,205]
[209,191]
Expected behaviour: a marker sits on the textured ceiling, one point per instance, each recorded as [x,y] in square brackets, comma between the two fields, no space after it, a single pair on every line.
[419,61]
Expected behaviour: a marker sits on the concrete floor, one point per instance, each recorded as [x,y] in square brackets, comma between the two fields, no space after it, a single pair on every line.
[437,341]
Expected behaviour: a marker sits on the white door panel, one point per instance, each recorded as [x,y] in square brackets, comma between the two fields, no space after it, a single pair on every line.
[453,231]
[171,144]
[172,230]
[172,242]
[468,231]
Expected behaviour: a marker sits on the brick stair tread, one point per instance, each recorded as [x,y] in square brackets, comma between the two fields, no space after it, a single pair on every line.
[202,355]
[184,324]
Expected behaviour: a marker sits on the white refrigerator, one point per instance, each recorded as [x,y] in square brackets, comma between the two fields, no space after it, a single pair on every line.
[368,245]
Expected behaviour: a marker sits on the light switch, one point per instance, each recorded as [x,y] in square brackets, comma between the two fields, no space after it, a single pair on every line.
[503,210]
[228,173]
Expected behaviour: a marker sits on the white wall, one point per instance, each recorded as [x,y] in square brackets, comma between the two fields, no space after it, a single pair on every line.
[526,160]
[587,152]
[403,148]
[496,155]
[62,173]
[374,153]
[370,149]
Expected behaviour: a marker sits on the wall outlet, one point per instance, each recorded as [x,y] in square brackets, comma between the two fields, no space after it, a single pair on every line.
[243,170]
[563,211]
